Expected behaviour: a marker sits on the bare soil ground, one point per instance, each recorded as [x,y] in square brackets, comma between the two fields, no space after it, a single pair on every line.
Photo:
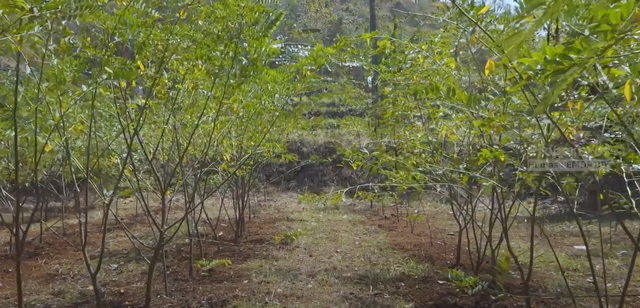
[433,241]
[347,256]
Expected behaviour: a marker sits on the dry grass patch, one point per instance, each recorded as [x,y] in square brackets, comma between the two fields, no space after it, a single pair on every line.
[339,261]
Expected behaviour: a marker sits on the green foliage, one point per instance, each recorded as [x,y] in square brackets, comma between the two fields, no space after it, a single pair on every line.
[209,264]
[416,217]
[207,59]
[457,102]
[414,268]
[288,237]
[310,198]
[468,283]
[503,263]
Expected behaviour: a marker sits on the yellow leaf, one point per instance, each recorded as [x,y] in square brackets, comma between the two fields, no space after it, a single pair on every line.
[570,104]
[113,159]
[627,90]
[489,67]
[579,106]
[141,66]
[78,128]
[473,39]
[601,197]
[183,14]
[123,84]
[48,147]
[451,62]
[484,9]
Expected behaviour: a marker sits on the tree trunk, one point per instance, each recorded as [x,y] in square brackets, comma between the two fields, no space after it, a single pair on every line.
[152,266]
[18,250]
[373,25]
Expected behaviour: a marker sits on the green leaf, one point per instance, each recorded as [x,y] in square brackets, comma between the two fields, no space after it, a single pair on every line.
[14,5]
[126,193]
[531,62]
[615,17]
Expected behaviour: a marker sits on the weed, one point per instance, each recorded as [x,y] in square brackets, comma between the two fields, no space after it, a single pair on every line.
[471,284]
[288,237]
[411,267]
[207,264]
[413,218]
[546,260]
[503,263]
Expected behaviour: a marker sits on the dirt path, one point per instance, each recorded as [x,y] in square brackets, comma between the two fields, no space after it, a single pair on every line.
[339,261]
